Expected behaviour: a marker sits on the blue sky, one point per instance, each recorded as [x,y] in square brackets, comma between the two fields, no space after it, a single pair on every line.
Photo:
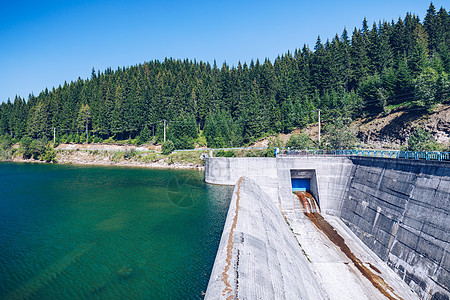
[44,43]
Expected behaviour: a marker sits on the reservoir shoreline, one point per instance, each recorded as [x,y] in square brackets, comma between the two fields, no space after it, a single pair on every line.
[114,164]
[102,158]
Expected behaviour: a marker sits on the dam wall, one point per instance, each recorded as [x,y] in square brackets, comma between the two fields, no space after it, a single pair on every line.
[273,175]
[398,208]
[258,256]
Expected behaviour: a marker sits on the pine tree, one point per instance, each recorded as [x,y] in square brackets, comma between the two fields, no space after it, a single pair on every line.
[431,24]
[38,122]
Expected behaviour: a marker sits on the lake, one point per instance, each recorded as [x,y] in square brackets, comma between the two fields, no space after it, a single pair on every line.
[107,232]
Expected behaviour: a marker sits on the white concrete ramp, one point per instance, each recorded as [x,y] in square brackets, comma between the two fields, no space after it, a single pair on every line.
[334,271]
[258,256]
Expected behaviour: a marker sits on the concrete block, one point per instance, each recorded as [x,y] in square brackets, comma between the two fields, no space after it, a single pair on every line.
[412,222]
[446,260]
[444,277]
[430,250]
[427,182]
[442,171]
[438,229]
[444,185]
[441,200]
[422,194]
[407,238]
[384,223]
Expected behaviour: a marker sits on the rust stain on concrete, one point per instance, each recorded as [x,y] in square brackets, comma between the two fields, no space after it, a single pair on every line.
[310,209]
[228,290]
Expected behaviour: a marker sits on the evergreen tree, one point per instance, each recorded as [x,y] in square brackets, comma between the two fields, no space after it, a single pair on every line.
[38,122]
[431,24]
[84,118]
[389,63]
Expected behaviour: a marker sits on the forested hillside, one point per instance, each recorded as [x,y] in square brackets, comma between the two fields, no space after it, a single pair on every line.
[356,73]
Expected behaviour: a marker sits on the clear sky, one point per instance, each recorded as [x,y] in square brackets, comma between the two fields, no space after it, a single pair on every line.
[44,43]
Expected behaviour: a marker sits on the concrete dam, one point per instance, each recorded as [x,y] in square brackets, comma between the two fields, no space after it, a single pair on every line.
[386,228]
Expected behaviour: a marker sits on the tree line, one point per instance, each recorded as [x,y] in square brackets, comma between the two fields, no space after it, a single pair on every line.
[351,75]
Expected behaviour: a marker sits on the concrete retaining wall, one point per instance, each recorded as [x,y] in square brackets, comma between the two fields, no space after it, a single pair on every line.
[227,171]
[273,175]
[399,208]
[258,256]
[332,174]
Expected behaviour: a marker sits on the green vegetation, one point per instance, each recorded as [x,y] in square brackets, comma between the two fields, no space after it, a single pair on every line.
[186,157]
[5,147]
[339,134]
[421,140]
[39,149]
[349,76]
[227,153]
[299,141]
[167,147]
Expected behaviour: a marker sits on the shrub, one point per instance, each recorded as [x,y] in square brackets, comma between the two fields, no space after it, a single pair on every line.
[223,153]
[299,141]
[167,147]
[129,153]
[98,139]
[49,154]
[275,142]
[339,134]
[118,156]
[421,140]
[25,147]
[37,148]
[229,153]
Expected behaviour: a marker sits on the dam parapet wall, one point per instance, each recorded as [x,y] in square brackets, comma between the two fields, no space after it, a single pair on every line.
[398,208]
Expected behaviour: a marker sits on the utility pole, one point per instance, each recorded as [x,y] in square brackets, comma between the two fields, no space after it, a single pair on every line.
[319,125]
[164,130]
[86,130]
[54,135]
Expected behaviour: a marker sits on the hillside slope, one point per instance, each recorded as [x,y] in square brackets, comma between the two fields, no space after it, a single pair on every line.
[389,130]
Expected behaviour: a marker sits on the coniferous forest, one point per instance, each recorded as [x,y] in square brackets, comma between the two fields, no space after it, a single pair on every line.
[357,73]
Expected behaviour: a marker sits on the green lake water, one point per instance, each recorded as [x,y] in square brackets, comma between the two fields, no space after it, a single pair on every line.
[72,232]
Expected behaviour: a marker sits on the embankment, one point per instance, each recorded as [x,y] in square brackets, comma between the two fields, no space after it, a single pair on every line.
[124,158]
[398,208]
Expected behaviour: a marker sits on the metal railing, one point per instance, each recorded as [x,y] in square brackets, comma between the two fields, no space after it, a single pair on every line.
[418,155]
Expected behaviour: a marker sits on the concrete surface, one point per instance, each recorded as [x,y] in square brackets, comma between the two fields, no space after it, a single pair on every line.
[398,208]
[258,256]
[337,276]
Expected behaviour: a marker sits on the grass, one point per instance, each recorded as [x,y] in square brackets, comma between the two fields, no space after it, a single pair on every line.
[186,157]
[389,108]
[201,140]
[149,157]
[118,156]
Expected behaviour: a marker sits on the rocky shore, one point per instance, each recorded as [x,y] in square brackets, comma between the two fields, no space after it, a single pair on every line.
[124,156]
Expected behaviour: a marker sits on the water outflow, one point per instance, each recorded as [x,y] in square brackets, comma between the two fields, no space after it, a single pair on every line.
[312,211]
